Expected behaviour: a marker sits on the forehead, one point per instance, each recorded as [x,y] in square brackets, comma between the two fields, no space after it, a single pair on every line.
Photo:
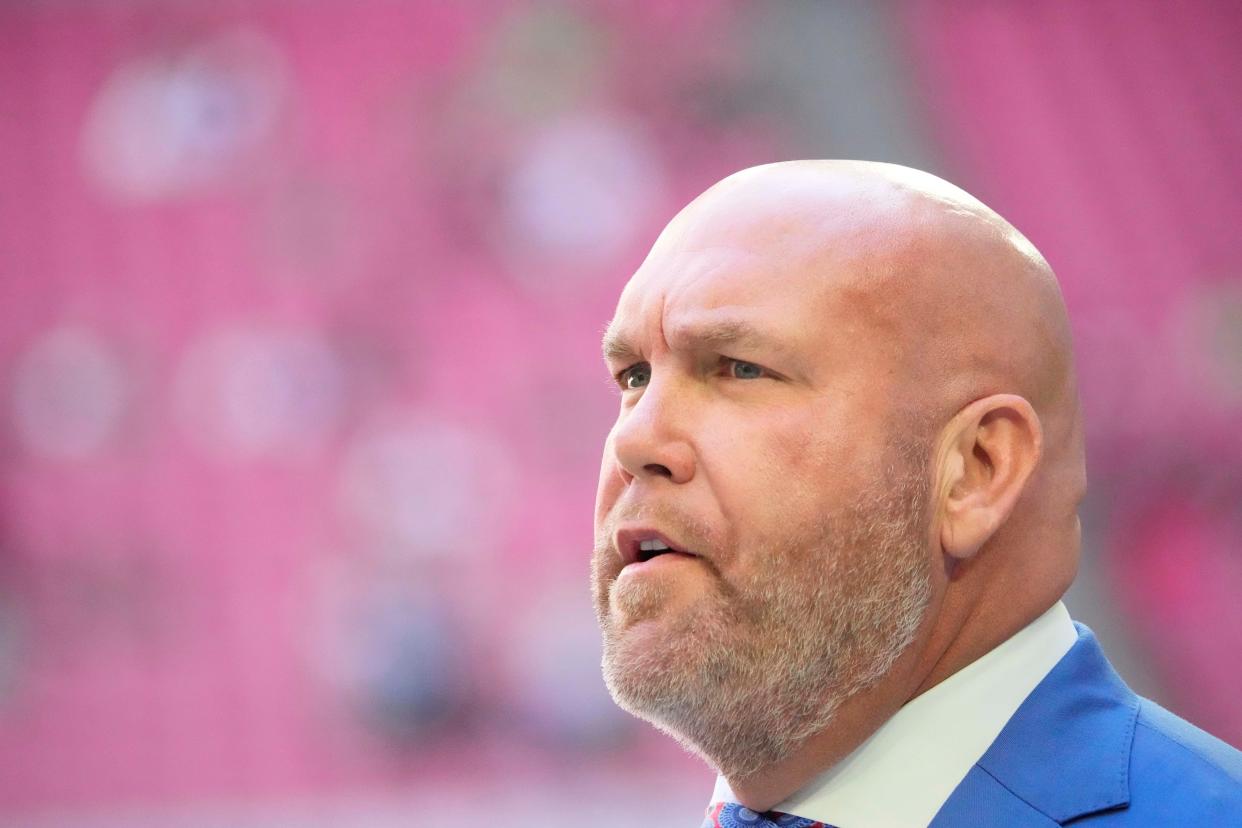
[779,278]
[671,280]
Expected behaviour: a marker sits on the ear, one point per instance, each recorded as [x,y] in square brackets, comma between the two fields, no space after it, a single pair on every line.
[988,451]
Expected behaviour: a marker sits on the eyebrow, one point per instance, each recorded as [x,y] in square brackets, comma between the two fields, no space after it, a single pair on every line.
[714,335]
[616,347]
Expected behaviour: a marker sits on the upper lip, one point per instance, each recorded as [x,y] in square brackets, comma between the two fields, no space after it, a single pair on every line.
[629,538]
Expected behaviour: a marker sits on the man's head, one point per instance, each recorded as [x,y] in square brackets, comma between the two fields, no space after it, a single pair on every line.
[847,403]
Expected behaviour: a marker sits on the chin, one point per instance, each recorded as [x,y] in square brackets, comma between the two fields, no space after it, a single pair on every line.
[722,727]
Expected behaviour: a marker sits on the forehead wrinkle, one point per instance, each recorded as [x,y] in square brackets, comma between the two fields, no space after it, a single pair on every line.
[680,277]
[715,334]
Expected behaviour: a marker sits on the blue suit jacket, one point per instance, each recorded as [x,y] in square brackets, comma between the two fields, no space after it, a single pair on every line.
[1084,749]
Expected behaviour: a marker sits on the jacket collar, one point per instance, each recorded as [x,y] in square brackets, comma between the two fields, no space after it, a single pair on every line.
[1078,725]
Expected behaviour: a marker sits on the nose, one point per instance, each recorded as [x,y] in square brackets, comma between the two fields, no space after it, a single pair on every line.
[652,439]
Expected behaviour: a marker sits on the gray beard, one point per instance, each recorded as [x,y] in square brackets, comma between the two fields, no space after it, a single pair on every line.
[754,670]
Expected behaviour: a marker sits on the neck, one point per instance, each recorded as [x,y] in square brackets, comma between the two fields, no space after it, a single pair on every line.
[857,718]
[776,783]
[961,634]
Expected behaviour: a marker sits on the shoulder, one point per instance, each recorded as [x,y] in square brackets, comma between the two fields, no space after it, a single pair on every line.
[1084,748]
[1176,766]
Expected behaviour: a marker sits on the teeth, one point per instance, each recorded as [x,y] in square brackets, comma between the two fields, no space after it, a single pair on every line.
[653,546]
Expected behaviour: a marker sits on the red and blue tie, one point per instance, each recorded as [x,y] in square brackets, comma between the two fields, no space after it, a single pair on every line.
[733,815]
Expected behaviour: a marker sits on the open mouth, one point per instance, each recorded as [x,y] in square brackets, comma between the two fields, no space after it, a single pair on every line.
[642,545]
[649,549]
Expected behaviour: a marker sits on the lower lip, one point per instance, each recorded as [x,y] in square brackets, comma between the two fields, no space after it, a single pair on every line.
[667,559]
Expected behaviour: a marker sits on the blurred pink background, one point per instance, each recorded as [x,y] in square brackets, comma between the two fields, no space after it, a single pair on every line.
[301,394]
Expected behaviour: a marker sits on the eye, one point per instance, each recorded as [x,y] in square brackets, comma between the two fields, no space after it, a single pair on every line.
[745,370]
[636,376]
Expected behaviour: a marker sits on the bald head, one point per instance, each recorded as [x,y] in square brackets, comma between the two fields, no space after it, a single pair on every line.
[927,302]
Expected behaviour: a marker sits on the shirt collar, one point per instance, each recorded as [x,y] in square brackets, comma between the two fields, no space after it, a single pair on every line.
[905,771]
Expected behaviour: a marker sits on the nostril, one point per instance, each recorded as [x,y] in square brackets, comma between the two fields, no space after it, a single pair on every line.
[657,468]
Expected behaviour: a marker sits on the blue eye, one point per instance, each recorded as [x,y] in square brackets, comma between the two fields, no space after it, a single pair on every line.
[636,376]
[745,370]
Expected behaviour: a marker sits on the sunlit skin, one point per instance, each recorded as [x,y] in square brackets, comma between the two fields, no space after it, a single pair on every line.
[787,327]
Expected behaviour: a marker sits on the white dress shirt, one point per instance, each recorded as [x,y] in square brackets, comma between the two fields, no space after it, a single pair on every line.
[905,771]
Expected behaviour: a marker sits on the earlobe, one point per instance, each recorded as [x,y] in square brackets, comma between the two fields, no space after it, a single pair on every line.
[991,448]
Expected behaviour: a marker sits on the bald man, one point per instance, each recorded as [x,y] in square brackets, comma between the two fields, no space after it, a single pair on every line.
[838,511]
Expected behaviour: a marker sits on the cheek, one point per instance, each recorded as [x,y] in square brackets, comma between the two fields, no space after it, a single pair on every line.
[801,452]
[765,468]
[785,473]
[610,484]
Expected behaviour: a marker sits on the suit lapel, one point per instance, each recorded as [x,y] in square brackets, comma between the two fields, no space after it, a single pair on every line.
[981,800]
[1064,754]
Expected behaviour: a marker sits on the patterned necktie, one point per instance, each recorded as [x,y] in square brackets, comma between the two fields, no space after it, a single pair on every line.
[733,815]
